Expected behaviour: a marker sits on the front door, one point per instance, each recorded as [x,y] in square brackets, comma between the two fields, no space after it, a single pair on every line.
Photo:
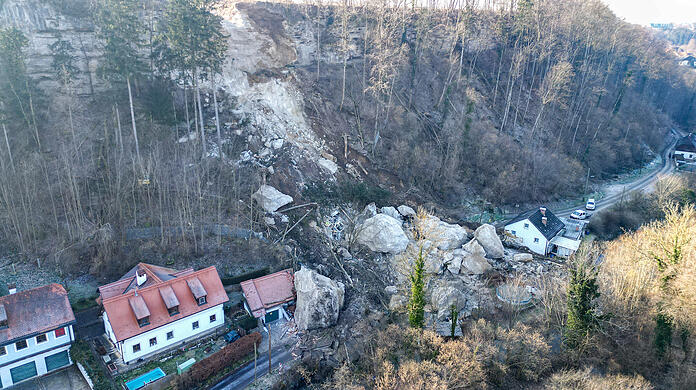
[57,361]
[271,316]
[25,371]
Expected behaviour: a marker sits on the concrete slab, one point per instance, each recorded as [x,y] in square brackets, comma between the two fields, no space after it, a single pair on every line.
[66,379]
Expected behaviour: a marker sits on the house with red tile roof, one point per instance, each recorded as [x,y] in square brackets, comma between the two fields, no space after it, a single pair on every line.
[36,332]
[267,297]
[153,308]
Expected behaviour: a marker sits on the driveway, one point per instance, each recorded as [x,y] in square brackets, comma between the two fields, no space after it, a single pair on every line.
[65,379]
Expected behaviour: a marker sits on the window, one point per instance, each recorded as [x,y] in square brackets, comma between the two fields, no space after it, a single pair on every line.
[21,344]
[202,300]
[212,318]
[173,311]
[153,341]
[536,239]
[41,338]
[144,321]
[136,348]
[170,335]
[3,351]
[526,226]
[195,325]
[60,332]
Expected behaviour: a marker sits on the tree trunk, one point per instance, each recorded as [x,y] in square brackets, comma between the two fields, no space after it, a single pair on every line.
[217,118]
[200,114]
[132,112]
[9,150]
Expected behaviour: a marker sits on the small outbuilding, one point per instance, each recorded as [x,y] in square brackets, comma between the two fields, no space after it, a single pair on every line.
[269,296]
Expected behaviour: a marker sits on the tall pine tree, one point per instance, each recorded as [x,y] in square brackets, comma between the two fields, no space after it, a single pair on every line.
[120,28]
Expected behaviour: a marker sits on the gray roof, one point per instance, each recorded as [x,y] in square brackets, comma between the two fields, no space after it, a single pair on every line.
[553,224]
[687,143]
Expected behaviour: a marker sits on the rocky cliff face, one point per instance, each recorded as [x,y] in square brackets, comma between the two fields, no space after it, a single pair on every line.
[43,25]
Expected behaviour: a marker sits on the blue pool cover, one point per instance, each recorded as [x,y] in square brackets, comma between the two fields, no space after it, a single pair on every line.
[144,379]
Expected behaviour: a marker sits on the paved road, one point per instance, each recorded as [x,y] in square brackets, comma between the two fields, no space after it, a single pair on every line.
[244,376]
[639,184]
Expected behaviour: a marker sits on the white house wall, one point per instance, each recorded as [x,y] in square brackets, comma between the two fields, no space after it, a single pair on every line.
[527,235]
[50,347]
[182,328]
[686,155]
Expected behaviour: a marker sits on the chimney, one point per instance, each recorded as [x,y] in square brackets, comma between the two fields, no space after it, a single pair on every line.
[12,288]
[542,210]
[544,220]
[140,277]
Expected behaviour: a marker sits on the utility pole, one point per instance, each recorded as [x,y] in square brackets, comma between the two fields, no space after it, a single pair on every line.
[254,362]
[269,348]
[587,180]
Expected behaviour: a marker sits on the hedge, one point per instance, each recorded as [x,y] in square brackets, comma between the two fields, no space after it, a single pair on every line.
[230,280]
[217,362]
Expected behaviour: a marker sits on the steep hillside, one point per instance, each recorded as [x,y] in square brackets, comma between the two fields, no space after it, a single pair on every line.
[462,109]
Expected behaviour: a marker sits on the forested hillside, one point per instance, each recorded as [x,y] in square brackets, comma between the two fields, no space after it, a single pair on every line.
[123,114]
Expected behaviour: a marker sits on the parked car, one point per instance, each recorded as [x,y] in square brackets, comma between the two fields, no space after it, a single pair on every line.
[231,336]
[579,214]
[590,205]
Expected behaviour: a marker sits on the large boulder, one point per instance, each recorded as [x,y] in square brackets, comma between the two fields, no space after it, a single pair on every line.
[489,240]
[390,211]
[447,236]
[434,263]
[455,265]
[382,233]
[448,294]
[522,257]
[319,300]
[406,211]
[271,199]
[474,248]
[475,265]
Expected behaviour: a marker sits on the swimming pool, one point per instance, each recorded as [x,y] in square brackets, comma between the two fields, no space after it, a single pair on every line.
[144,379]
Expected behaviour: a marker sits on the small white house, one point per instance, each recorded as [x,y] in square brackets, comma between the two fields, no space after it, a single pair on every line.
[36,332]
[152,309]
[268,296]
[535,229]
[686,148]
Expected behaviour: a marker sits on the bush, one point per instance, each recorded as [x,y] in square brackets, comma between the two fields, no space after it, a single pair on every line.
[80,352]
[587,380]
[218,361]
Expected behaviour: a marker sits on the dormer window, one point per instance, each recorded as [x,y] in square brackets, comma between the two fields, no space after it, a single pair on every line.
[3,317]
[198,291]
[170,300]
[140,310]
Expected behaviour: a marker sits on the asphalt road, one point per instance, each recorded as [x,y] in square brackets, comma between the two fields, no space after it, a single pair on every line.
[640,184]
[244,376]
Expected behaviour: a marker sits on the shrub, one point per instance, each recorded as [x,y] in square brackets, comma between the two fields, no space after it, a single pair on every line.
[218,361]
[587,380]
[346,192]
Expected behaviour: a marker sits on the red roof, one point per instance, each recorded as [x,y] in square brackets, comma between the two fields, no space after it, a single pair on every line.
[34,311]
[119,307]
[268,291]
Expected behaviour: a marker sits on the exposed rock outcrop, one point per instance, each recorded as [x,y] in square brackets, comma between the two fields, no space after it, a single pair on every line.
[319,300]
[448,294]
[271,199]
[382,233]
[489,240]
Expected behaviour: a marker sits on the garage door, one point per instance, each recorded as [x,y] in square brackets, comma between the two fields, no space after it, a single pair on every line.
[57,361]
[25,371]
